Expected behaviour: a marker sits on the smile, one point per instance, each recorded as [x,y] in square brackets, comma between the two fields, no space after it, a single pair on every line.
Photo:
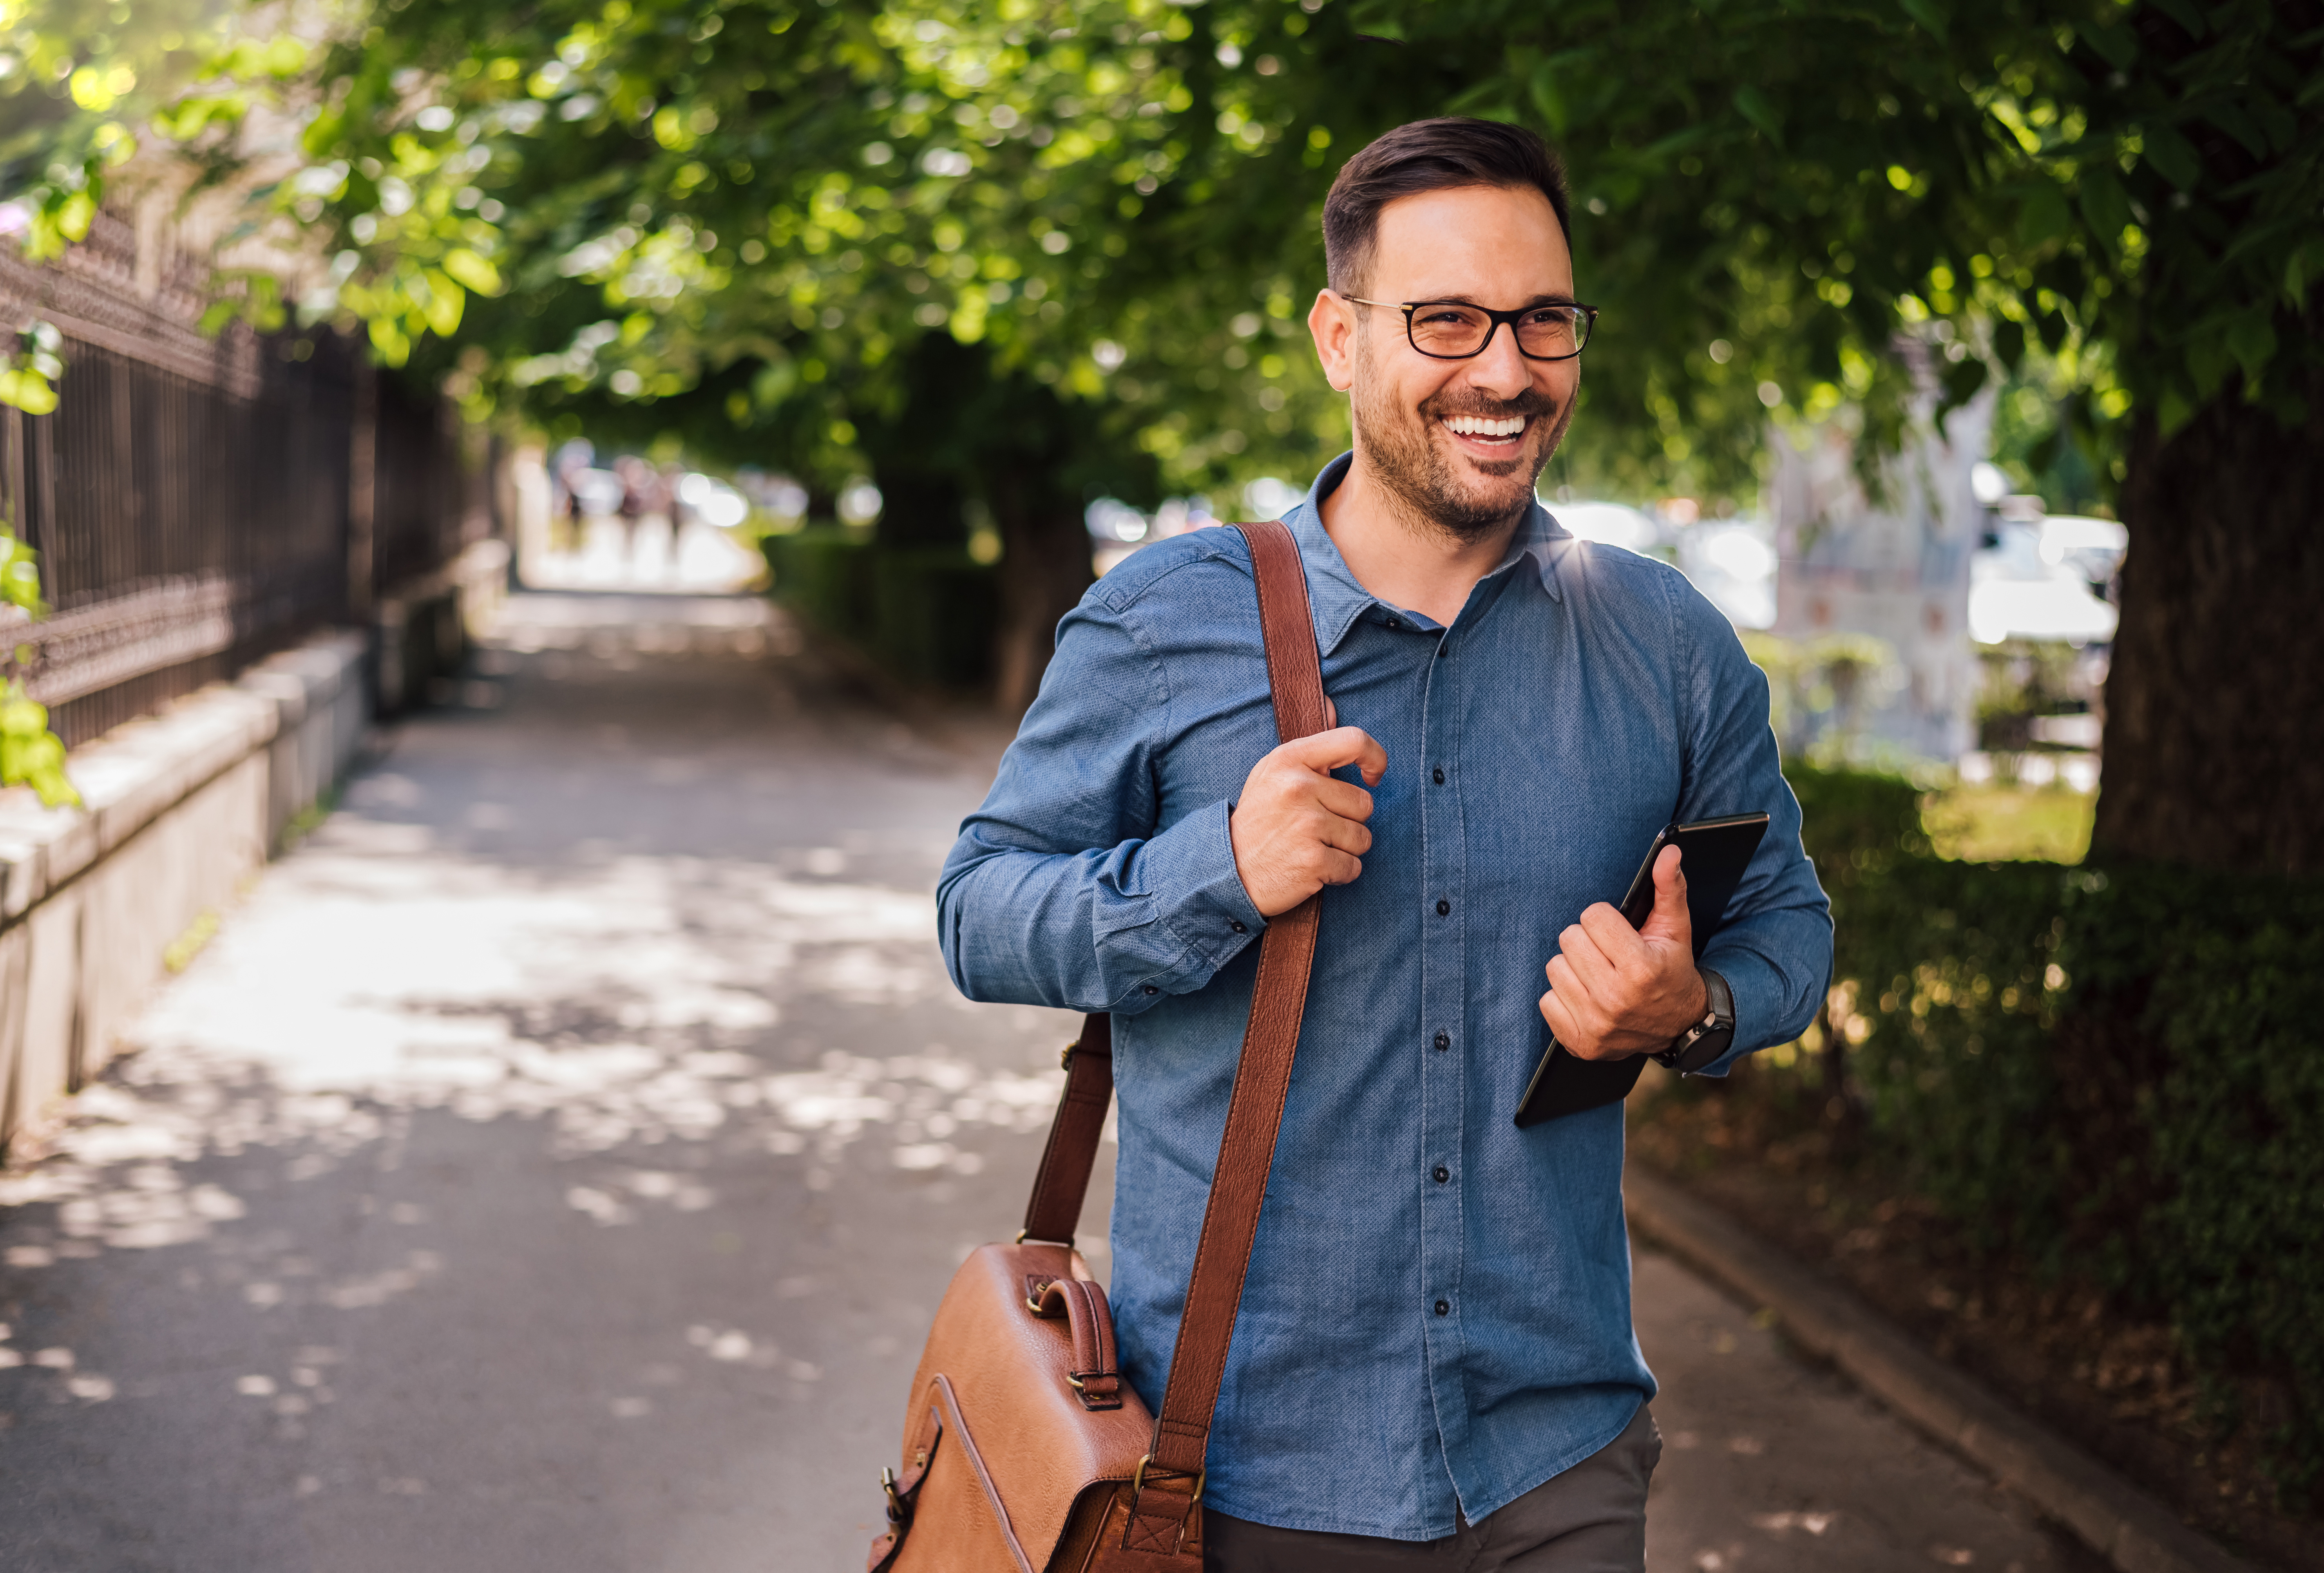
[1477,428]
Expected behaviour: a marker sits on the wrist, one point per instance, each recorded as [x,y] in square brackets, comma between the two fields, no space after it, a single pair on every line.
[1710,1035]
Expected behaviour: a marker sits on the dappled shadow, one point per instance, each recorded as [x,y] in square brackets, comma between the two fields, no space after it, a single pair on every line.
[566,1076]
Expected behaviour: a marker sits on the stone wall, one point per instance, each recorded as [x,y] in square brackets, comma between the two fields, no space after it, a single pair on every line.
[180,809]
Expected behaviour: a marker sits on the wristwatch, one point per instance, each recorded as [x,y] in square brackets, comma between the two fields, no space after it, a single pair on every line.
[1709,1038]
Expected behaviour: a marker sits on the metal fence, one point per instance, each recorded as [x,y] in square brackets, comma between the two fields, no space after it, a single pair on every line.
[197,503]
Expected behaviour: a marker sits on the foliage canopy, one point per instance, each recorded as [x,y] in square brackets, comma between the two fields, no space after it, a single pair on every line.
[733,220]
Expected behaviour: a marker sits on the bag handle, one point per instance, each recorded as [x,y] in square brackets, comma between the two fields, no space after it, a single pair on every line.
[1170,1480]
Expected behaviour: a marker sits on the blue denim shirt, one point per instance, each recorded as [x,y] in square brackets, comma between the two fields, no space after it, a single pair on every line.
[1407,1344]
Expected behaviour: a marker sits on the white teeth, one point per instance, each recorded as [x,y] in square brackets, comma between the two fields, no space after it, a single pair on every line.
[1474,426]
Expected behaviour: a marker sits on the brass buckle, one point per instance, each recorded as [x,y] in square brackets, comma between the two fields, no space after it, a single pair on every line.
[1066,1056]
[1022,1233]
[899,1513]
[1138,1477]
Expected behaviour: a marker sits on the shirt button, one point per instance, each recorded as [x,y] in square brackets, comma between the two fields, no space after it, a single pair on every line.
[1396,623]
[1442,651]
[1151,990]
[1444,1307]
[1441,1174]
[1443,1042]
[1444,909]
[1239,927]
[1439,773]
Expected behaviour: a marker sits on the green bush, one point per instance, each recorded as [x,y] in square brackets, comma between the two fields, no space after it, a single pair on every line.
[926,615]
[826,576]
[2106,1068]
[934,613]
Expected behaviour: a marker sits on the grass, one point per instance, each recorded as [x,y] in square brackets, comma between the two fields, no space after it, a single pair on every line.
[1992,822]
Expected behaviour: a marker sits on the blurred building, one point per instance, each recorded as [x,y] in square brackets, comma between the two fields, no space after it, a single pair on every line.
[1889,563]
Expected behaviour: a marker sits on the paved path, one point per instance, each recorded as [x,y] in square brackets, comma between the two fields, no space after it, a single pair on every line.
[551,1165]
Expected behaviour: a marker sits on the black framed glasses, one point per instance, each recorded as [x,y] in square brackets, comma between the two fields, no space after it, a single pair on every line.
[1456,330]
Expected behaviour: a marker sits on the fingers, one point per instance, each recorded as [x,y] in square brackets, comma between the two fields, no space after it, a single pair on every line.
[1580,1029]
[1609,942]
[1332,829]
[1336,750]
[1581,951]
[1344,798]
[1669,921]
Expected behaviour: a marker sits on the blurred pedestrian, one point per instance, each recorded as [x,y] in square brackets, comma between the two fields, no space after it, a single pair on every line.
[638,488]
[1433,1365]
[567,528]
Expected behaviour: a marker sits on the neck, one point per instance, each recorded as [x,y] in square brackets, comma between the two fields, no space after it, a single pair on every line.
[1400,554]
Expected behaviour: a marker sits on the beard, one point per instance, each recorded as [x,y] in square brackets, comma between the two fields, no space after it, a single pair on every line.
[1400,446]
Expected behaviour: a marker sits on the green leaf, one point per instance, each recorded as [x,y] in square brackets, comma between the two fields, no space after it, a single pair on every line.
[1378,19]
[2042,216]
[472,270]
[2105,206]
[2172,156]
[1756,108]
[1961,381]
[2234,120]
[1927,13]
[2114,41]
[2174,409]
[2251,338]
[1548,98]
[2185,14]
[2009,343]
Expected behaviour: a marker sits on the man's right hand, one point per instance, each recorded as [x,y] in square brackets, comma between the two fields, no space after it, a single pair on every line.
[1295,829]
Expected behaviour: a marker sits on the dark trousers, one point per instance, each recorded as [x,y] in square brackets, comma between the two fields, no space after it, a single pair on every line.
[1591,1519]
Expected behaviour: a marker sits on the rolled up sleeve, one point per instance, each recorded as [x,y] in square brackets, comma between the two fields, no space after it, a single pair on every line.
[1774,948]
[1063,890]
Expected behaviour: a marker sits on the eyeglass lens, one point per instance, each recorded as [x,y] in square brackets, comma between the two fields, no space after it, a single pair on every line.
[1453,330]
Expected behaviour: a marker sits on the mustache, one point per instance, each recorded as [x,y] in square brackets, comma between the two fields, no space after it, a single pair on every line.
[1530,403]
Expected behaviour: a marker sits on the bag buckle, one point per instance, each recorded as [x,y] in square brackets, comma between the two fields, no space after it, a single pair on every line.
[1138,1476]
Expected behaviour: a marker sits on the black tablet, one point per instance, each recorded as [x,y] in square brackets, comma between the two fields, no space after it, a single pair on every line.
[1712,854]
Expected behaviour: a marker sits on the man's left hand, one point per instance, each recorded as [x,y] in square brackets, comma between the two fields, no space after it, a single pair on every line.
[1617,991]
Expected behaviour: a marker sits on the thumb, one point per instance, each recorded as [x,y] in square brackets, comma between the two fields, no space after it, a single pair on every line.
[1669,922]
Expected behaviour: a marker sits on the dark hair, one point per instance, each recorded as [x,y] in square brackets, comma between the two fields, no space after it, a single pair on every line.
[1430,155]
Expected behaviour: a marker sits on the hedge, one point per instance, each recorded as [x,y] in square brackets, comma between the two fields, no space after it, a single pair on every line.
[2108,1067]
[924,614]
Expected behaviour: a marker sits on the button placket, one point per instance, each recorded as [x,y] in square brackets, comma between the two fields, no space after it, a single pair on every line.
[1443,993]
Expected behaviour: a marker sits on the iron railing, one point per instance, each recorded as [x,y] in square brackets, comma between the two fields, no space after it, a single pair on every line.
[197,503]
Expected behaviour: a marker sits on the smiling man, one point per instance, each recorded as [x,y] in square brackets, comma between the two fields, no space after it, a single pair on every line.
[1434,1365]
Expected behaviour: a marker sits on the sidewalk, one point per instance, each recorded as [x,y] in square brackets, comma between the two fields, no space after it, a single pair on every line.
[554,1163]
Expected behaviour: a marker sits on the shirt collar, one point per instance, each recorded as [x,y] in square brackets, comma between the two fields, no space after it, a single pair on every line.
[1334,597]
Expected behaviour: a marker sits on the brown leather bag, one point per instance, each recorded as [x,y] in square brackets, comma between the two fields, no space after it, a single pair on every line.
[1024,1450]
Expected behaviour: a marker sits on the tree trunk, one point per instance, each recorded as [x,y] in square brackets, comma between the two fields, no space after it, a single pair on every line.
[1044,568]
[2212,754]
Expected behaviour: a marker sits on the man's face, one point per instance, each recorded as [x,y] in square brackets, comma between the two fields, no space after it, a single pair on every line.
[1460,442]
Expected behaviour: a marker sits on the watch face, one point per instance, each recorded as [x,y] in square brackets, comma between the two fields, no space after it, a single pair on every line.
[1705,1049]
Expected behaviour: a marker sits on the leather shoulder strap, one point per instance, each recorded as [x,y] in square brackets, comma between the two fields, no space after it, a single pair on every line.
[1170,1482]
[1295,677]
[1063,1179]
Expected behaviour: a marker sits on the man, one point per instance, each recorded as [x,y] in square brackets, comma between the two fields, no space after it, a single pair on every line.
[1434,1365]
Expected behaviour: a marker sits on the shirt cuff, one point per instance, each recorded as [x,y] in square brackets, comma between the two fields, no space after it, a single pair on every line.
[1759,994]
[1190,869]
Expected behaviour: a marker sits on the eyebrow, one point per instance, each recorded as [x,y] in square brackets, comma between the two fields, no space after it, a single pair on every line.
[1465,300]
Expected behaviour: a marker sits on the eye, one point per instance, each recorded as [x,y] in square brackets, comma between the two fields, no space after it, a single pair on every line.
[1549,317]
[1441,316]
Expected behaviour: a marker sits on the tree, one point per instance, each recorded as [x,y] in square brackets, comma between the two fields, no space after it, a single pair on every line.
[745,222]
[1771,192]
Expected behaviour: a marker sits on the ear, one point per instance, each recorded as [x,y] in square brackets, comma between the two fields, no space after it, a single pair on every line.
[1331,322]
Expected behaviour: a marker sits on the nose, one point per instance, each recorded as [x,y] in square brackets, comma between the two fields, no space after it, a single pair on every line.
[1498,371]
